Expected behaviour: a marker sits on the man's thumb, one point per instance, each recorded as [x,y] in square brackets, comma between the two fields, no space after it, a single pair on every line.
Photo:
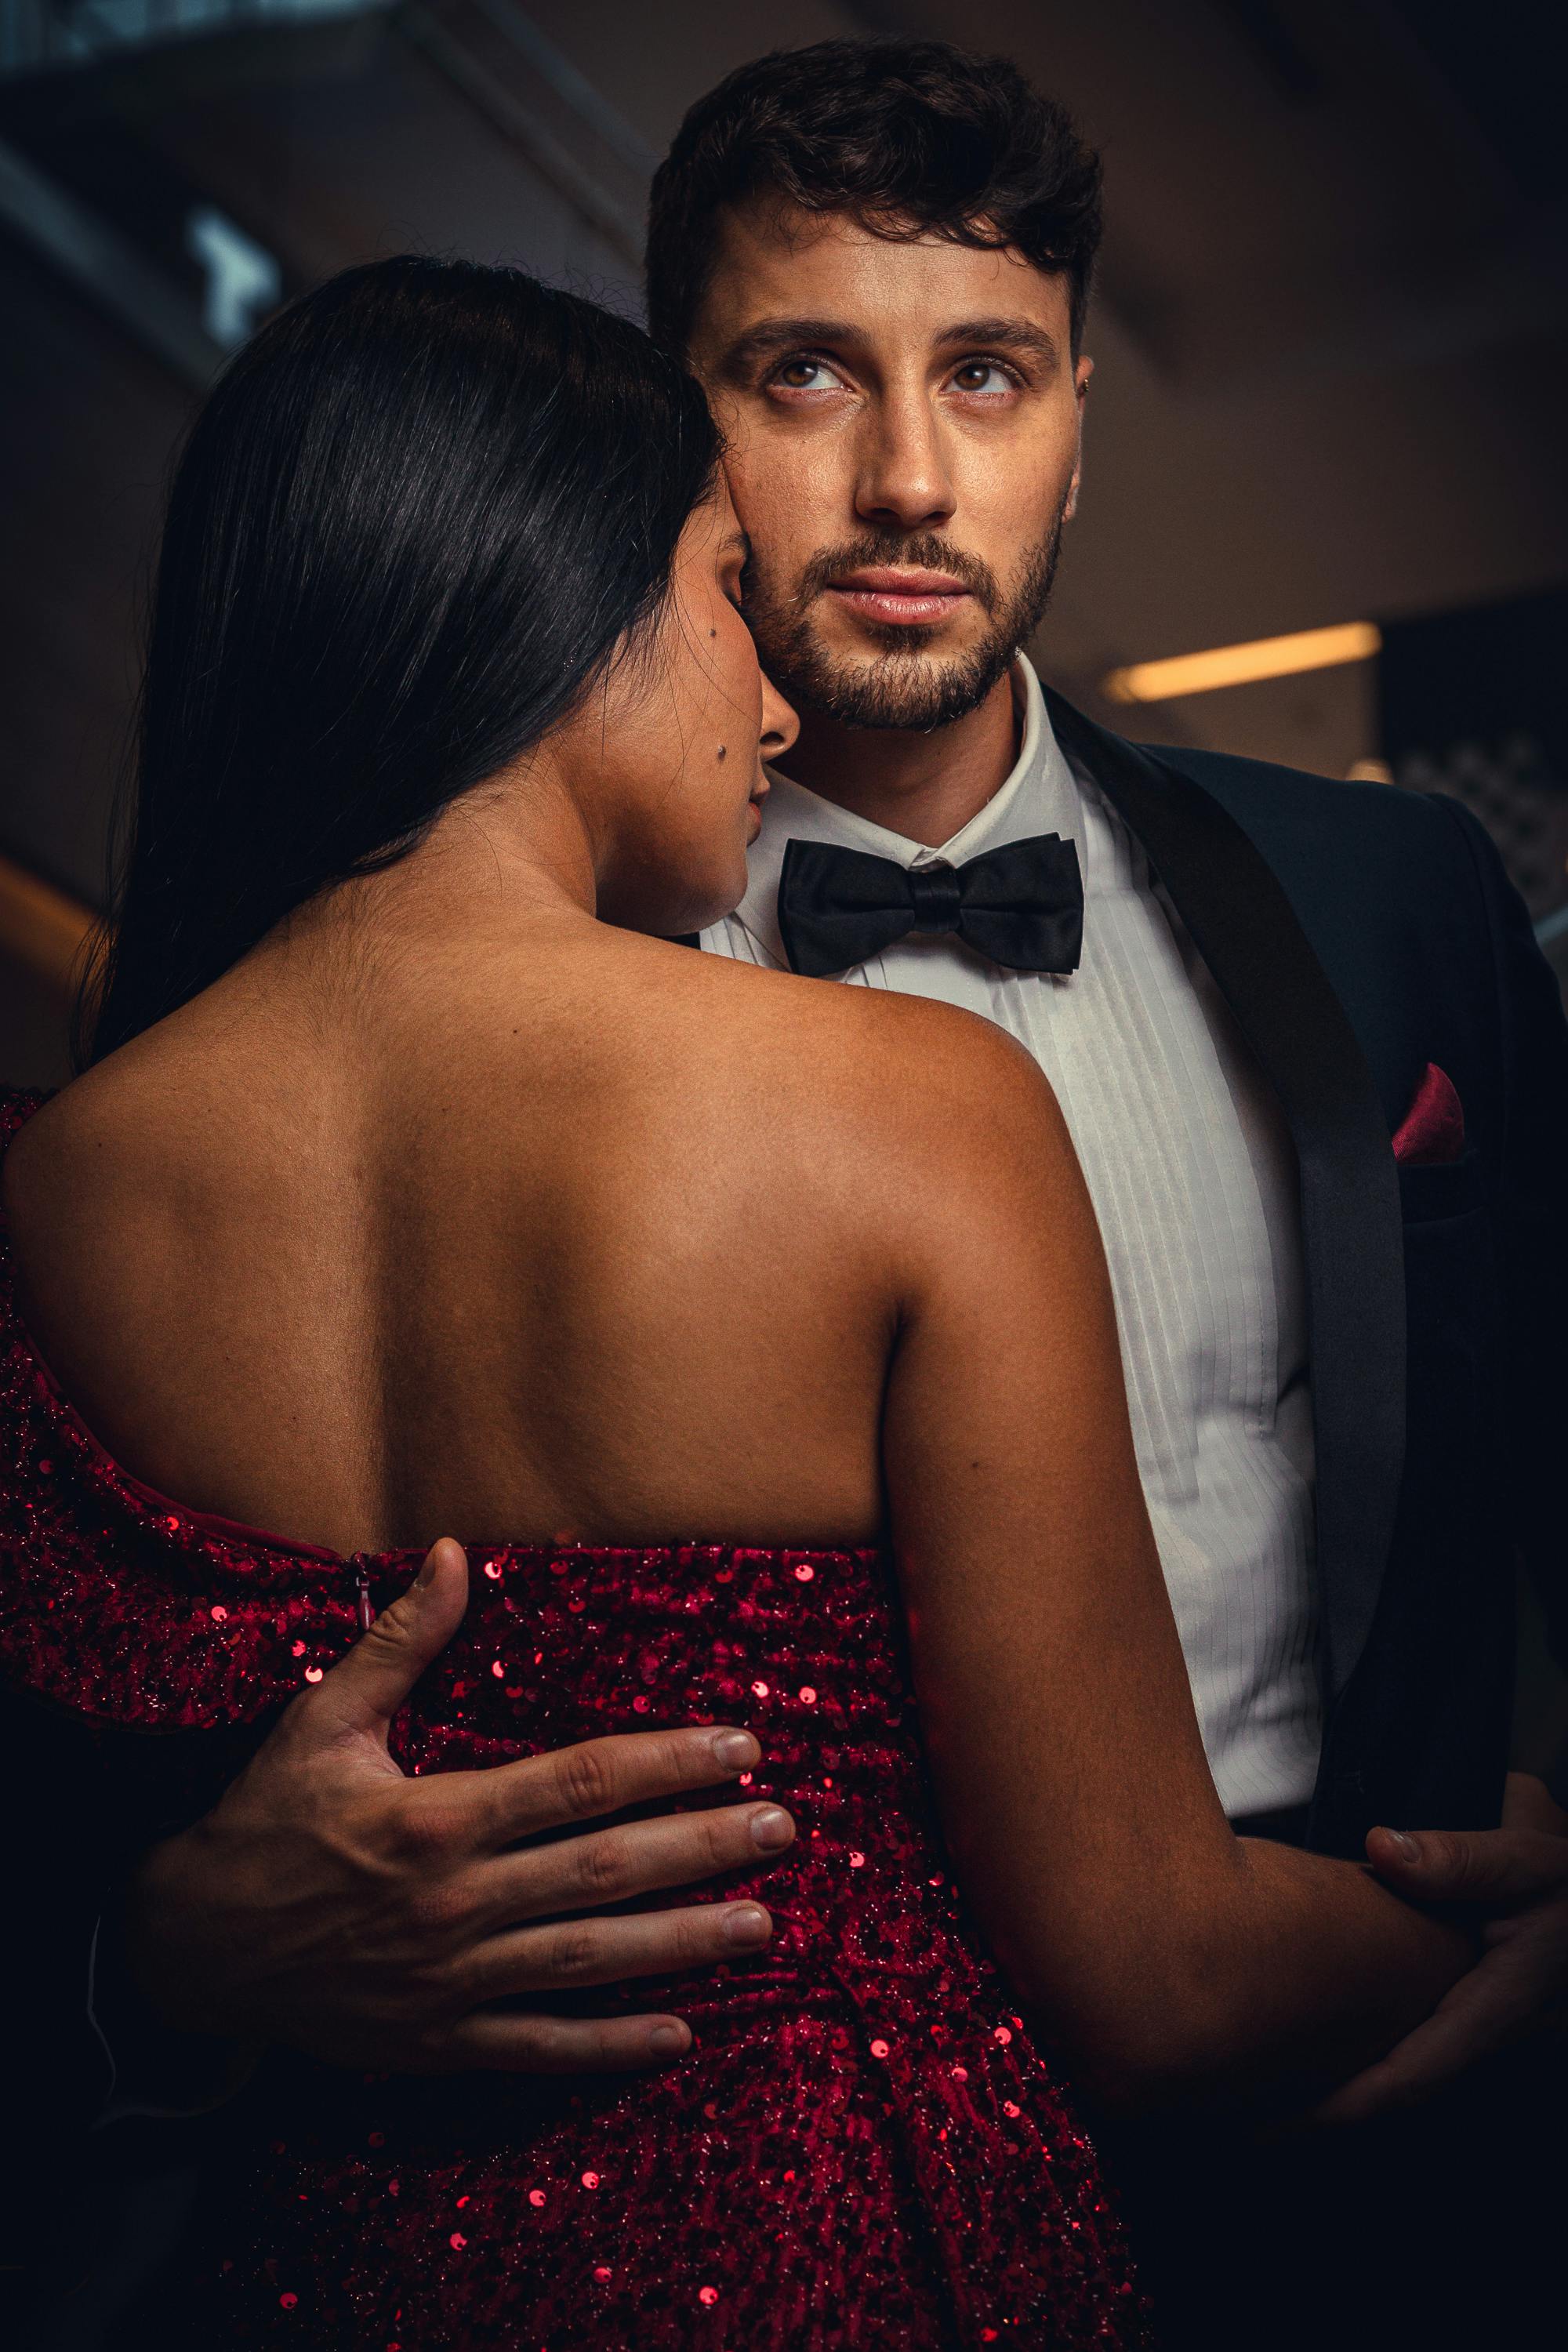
[364,1690]
[1496,1867]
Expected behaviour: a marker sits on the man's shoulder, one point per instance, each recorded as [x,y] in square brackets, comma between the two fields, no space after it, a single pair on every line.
[1246,785]
[1371,840]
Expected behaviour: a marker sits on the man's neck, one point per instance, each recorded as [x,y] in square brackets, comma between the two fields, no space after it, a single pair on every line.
[925,787]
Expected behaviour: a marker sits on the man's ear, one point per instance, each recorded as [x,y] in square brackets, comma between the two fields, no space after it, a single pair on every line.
[1080,376]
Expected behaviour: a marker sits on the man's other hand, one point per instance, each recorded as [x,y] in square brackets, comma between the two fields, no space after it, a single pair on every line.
[1516,1879]
[331,1903]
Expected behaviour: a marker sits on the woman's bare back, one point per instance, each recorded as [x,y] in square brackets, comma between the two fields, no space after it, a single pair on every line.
[609,1241]
[570,1231]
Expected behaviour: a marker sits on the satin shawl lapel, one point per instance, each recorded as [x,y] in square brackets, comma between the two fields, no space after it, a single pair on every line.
[1246,929]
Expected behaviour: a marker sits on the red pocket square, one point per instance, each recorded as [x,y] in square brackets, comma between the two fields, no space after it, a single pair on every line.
[1433,1129]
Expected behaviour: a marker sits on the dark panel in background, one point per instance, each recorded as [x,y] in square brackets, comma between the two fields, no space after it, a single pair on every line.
[1476,703]
[1504,64]
[96,418]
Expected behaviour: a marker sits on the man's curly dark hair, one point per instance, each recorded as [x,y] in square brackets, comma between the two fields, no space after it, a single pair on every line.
[905,135]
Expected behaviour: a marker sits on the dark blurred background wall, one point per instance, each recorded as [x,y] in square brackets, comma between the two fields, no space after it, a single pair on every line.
[1329,340]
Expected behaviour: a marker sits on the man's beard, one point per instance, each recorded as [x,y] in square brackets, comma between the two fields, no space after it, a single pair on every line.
[904,686]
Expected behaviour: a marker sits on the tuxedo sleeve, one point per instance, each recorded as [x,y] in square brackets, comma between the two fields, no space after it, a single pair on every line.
[1532,1225]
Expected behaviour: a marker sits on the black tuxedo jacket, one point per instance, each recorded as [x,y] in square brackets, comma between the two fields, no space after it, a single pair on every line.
[1358,933]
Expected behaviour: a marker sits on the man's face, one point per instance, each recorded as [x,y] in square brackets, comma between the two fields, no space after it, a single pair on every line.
[903,424]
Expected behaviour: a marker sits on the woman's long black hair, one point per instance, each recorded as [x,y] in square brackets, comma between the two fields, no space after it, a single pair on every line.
[413,522]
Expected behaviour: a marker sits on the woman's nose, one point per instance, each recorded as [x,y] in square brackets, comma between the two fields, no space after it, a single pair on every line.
[780,725]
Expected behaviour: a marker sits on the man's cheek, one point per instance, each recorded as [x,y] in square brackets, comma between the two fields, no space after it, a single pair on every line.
[779,489]
[765,589]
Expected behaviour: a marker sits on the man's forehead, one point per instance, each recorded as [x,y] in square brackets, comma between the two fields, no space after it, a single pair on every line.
[774,259]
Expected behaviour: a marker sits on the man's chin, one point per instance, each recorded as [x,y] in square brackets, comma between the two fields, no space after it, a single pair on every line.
[906,682]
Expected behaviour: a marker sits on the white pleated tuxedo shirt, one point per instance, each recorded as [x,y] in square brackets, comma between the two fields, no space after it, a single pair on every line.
[1193,1180]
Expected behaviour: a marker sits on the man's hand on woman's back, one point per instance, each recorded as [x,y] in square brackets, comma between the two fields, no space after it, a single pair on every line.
[330,1903]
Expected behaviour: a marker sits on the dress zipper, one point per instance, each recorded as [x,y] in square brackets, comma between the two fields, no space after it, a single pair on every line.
[362,1586]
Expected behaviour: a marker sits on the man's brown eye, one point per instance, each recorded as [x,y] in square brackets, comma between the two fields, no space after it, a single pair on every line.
[797,373]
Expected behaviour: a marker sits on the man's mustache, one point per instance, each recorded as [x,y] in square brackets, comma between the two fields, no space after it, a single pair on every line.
[923,551]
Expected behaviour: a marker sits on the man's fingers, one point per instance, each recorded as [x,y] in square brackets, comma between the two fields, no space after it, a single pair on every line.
[1529,1804]
[1494,1866]
[566,2045]
[634,1858]
[573,1952]
[602,1776]
[364,1690]
[1479,2017]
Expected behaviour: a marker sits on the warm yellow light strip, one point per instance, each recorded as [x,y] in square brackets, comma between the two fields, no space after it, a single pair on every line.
[1162,682]
[42,928]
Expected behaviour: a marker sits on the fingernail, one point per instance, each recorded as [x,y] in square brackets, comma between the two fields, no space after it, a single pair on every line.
[771,1828]
[426,1573]
[1409,1847]
[667,2041]
[747,1923]
[735,1750]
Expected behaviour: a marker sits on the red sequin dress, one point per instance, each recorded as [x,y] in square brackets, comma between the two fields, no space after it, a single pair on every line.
[865,2147]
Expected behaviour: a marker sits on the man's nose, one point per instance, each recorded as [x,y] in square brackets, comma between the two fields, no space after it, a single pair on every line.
[780,725]
[903,480]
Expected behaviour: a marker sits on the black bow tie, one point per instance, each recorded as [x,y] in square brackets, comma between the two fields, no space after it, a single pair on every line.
[1021,905]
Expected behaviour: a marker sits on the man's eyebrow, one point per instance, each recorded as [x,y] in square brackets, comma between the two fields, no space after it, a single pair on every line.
[1005,334]
[770,336]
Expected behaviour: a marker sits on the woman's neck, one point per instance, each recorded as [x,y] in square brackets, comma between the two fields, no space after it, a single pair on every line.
[516,852]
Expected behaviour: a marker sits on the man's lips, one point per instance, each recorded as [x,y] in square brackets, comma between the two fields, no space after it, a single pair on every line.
[891,595]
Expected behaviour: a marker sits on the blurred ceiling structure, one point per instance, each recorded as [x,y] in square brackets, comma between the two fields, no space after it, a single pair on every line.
[1329,333]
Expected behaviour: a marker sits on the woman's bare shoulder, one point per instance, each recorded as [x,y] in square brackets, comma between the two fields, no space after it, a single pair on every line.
[137,1137]
[90,1122]
[881,1066]
[100,1168]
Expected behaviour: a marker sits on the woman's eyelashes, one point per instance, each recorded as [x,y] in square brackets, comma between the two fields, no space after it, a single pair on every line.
[807,377]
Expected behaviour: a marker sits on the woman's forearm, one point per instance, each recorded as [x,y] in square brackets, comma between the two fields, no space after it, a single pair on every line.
[1295,1974]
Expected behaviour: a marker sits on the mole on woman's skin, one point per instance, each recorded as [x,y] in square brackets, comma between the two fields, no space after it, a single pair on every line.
[722,749]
